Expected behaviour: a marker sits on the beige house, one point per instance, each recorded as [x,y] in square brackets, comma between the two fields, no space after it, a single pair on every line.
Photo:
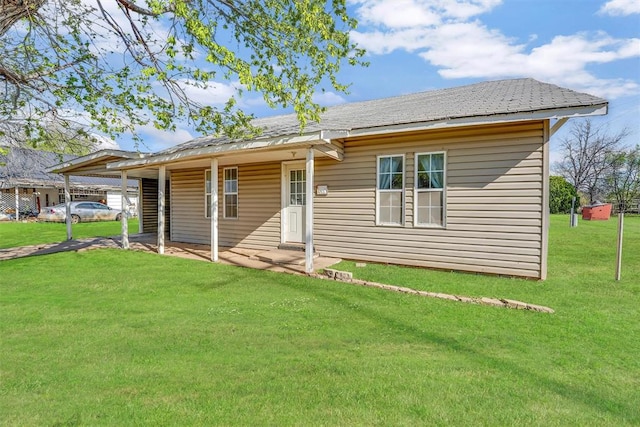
[453,179]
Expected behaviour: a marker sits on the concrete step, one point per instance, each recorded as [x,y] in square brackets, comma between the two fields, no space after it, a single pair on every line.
[282,256]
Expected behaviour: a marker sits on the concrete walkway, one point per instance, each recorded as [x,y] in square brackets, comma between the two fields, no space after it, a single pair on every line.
[285,261]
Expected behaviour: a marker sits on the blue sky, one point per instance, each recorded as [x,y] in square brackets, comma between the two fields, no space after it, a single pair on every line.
[590,46]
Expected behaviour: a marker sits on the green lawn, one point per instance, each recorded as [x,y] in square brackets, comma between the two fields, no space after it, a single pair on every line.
[109,337]
[33,233]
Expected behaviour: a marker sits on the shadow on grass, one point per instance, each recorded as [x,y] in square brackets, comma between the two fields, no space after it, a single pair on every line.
[579,395]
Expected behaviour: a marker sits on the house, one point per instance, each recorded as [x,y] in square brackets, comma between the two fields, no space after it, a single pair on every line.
[453,179]
[26,186]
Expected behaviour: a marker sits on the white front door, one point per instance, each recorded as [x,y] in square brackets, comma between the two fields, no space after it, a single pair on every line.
[295,201]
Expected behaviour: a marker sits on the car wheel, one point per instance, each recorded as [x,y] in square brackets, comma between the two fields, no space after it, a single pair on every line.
[75,219]
[118,217]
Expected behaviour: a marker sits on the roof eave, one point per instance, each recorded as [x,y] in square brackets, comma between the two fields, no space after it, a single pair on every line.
[558,113]
[315,138]
[81,161]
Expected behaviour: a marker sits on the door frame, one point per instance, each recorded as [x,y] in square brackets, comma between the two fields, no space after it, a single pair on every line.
[284,189]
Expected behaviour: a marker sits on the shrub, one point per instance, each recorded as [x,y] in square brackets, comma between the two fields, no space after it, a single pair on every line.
[560,195]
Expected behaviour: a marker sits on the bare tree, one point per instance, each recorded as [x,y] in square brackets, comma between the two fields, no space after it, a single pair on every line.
[585,151]
[622,176]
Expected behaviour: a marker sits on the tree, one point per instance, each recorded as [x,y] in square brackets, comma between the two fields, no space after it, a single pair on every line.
[118,64]
[622,176]
[585,151]
[561,194]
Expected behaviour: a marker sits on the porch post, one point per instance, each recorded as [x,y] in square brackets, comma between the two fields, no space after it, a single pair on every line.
[214,210]
[124,213]
[161,189]
[140,224]
[17,194]
[308,247]
[67,206]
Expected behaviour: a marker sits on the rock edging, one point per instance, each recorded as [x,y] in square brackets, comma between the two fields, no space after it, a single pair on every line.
[347,277]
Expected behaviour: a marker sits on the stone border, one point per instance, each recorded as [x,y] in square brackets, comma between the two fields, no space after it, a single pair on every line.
[347,277]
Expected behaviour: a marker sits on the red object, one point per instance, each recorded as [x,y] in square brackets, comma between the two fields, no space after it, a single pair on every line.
[598,212]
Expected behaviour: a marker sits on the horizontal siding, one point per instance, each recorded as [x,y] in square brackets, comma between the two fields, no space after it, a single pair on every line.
[258,222]
[189,223]
[494,196]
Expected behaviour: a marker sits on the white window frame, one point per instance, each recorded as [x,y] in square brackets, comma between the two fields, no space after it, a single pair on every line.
[207,196]
[379,191]
[230,193]
[417,190]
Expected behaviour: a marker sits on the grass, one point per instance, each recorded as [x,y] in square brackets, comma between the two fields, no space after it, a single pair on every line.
[32,233]
[109,337]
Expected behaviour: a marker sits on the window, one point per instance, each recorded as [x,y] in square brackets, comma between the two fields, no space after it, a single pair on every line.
[390,190]
[230,193]
[429,190]
[297,188]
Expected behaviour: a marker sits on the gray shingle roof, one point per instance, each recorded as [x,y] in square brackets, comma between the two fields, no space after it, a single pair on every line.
[476,100]
[25,168]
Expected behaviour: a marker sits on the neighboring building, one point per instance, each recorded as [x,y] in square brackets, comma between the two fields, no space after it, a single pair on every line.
[26,185]
[454,179]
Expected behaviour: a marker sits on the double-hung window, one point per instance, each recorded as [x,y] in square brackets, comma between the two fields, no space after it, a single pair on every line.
[390,190]
[231,193]
[428,200]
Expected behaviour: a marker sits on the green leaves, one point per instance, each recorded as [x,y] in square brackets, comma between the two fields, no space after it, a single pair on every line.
[127,66]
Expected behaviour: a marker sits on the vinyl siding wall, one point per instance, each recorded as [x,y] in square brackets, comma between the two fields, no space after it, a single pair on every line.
[258,222]
[494,189]
[493,202]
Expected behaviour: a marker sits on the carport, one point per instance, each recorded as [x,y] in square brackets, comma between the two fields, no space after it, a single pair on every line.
[153,206]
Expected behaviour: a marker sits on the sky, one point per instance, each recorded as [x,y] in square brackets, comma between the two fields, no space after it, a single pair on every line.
[590,46]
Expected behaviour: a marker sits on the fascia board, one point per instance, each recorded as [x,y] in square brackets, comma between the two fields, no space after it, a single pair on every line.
[595,110]
[89,158]
[309,139]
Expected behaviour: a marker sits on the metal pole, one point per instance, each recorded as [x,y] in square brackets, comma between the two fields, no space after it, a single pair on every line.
[620,232]
[573,221]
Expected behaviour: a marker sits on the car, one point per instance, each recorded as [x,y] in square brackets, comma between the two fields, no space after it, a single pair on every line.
[80,212]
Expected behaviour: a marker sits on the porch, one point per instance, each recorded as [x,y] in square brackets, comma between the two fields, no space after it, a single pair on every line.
[278,260]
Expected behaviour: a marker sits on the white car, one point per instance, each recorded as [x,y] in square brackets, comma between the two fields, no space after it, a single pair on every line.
[80,212]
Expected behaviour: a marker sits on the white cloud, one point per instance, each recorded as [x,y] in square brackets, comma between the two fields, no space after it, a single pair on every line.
[411,13]
[462,48]
[215,93]
[327,99]
[467,9]
[104,143]
[397,13]
[620,7]
[156,139]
